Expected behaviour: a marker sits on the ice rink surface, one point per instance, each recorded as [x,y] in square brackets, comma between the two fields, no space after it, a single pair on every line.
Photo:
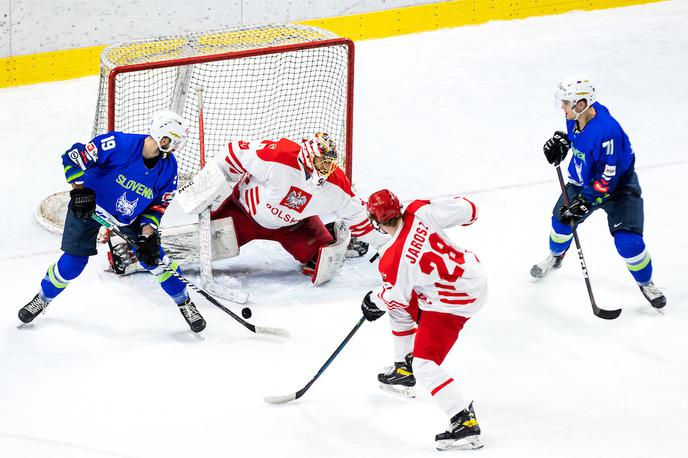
[113,371]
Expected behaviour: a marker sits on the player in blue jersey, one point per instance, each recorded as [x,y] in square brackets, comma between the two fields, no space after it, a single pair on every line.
[130,179]
[601,175]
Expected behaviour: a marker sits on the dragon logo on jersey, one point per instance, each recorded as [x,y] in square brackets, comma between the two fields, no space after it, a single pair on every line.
[296,199]
[126,207]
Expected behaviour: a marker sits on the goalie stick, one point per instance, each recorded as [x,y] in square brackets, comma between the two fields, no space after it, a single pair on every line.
[601,313]
[205,245]
[294,396]
[253,328]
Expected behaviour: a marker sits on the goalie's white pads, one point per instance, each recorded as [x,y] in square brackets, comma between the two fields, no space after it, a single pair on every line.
[208,188]
[182,242]
[331,257]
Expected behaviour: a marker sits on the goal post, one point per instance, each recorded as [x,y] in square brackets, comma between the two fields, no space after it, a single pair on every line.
[259,82]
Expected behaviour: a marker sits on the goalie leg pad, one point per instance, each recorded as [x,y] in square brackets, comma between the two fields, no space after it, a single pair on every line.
[183,242]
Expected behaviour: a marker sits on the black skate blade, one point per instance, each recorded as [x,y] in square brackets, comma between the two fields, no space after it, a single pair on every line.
[405,391]
[466,443]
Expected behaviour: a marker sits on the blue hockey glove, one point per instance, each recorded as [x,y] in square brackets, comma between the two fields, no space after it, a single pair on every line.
[557,147]
[369,309]
[576,211]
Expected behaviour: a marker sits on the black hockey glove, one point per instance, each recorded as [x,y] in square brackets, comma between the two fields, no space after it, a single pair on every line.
[83,202]
[575,212]
[149,249]
[369,309]
[557,147]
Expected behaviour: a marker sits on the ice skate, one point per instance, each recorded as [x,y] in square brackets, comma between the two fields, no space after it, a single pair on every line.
[32,309]
[192,316]
[399,378]
[653,295]
[543,268]
[463,432]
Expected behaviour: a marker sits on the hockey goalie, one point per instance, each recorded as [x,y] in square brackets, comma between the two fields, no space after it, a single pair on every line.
[277,190]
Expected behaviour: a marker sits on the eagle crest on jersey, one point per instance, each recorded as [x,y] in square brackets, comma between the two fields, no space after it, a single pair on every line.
[296,199]
[124,206]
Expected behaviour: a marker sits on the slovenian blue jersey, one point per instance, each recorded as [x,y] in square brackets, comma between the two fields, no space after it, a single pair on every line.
[601,155]
[112,165]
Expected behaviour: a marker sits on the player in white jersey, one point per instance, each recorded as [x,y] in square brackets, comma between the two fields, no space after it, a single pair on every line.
[278,190]
[431,288]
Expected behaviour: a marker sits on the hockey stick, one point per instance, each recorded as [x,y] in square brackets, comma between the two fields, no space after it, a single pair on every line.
[256,329]
[602,313]
[205,245]
[294,396]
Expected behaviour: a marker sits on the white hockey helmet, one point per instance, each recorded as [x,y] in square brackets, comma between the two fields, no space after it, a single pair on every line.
[573,89]
[169,124]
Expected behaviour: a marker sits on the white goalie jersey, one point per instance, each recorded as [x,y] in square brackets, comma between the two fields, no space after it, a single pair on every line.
[276,190]
[420,264]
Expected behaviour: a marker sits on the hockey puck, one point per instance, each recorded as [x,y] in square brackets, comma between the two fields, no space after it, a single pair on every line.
[246,313]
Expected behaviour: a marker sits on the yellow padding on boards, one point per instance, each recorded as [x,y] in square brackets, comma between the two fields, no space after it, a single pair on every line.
[75,63]
[50,66]
[456,13]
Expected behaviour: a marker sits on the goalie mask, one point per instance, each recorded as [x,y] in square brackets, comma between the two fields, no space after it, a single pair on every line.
[319,155]
[383,208]
[574,89]
[168,124]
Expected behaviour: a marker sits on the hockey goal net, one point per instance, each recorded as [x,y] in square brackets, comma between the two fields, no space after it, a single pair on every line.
[259,82]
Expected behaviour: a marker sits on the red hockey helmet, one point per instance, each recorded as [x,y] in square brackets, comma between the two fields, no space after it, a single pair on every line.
[383,206]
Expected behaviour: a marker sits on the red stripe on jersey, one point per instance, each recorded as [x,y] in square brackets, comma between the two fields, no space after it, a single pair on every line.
[362,231]
[257,196]
[452,294]
[158,208]
[233,170]
[391,304]
[253,200]
[404,333]
[414,206]
[474,212]
[457,301]
[358,226]
[233,160]
[442,285]
[439,387]
[247,199]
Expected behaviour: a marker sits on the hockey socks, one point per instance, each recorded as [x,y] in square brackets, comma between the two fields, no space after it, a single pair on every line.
[631,247]
[442,387]
[58,276]
[560,237]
